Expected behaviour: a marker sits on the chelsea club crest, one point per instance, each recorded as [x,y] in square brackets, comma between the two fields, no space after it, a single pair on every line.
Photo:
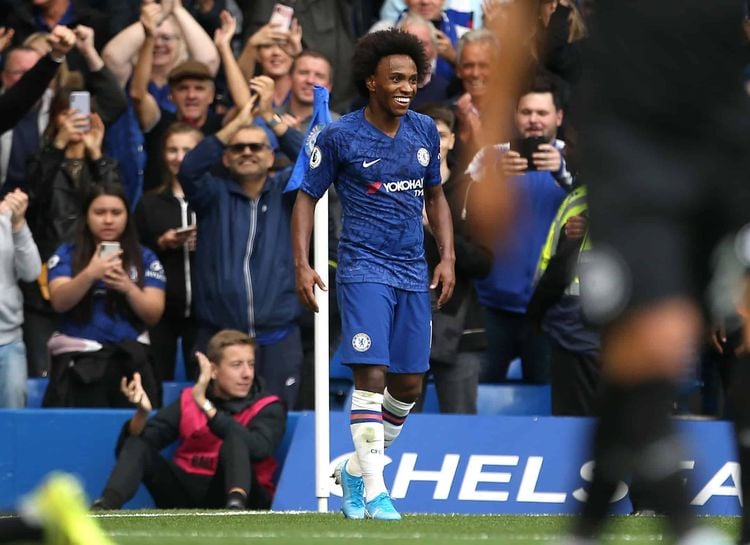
[423,156]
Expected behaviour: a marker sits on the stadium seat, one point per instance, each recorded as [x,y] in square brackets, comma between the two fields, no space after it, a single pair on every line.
[35,388]
[510,399]
[514,399]
[171,391]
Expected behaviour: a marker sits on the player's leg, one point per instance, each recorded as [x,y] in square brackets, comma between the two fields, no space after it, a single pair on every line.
[59,506]
[366,318]
[410,359]
[643,356]
[740,409]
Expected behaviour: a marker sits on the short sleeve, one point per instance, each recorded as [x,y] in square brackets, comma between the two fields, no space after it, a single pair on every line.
[432,176]
[59,265]
[323,166]
[153,271]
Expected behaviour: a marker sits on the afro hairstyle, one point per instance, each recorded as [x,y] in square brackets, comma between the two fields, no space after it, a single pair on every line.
[371,48]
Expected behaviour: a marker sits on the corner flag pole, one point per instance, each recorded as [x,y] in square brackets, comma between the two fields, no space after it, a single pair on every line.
[322,357]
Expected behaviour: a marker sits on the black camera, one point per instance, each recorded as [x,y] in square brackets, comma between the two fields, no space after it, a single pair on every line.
[526,147]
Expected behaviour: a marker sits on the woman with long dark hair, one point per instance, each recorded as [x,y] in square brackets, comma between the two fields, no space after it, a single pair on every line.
[109,289]
[166,224]
[58,176]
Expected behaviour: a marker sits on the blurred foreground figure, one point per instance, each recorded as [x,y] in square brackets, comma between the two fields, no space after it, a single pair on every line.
[56,513]
[663,121]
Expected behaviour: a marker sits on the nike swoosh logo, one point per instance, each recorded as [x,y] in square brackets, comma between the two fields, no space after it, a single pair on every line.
[368,164]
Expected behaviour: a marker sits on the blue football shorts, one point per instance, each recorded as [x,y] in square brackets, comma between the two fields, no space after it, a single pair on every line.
[383,325]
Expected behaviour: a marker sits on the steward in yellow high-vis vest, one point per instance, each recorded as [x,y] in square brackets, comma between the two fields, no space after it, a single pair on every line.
[556,309]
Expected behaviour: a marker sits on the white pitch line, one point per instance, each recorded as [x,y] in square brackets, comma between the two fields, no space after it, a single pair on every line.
[374,536]
[234,513]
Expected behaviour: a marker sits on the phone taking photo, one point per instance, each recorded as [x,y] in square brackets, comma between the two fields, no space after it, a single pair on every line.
[526,147]
[282,16]
[107,249]
[188,229]
[81,102]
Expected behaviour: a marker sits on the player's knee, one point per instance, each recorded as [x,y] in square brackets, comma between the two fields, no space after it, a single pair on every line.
[370,378]
[653,343]
[407,389]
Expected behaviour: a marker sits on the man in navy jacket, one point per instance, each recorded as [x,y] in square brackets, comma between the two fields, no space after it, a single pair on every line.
[244,268]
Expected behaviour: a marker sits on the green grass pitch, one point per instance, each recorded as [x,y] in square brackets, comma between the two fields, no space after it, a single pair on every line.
[222,528]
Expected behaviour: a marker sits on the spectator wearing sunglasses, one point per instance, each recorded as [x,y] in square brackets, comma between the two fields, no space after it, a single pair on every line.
[244,273]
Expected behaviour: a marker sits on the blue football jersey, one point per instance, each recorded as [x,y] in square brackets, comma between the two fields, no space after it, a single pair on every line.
[380,181]
[104,327]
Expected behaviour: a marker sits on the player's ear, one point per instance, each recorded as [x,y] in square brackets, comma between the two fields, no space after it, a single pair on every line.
[370,83]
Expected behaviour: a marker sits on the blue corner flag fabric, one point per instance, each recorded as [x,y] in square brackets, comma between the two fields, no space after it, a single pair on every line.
[320,118]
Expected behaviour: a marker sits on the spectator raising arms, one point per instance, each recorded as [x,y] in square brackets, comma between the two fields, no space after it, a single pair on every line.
[106,298]
[19,258]
[177,37]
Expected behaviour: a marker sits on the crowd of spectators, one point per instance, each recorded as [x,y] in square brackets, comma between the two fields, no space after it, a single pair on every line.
[198,110]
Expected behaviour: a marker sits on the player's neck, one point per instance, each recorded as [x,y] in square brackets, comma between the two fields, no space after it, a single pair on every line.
[382,120]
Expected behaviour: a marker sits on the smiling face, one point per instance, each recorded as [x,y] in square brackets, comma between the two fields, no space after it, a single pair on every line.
[273,60]
[393,85]
[307,72]
[245,163]
[192,98]
[474,68]
[233,375]
[175,148]
[167,44]
[107,217]
[429,9]
[536,115]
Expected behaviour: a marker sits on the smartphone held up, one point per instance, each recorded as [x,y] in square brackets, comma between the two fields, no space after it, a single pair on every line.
[81,102]
[281,16]
[107,249]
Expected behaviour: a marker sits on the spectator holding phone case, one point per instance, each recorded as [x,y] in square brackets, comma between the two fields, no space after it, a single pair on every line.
[106,302]
[58,176]
[166,224]
[506,291]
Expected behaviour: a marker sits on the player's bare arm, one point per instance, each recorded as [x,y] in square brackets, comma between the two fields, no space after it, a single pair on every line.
[305,276]
[439,216]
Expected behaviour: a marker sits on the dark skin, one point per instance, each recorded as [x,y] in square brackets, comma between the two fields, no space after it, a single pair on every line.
[391,87]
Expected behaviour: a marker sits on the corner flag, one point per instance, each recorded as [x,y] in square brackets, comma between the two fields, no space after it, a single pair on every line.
[320,118]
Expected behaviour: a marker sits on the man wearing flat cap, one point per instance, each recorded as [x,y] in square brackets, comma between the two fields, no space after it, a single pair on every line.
[192,90]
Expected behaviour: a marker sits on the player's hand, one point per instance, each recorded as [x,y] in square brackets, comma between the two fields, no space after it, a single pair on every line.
[445,276]
[547,157]
[306,280]
[135,393]
[512,164]
[200,387]
[718,338]
[575,227]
